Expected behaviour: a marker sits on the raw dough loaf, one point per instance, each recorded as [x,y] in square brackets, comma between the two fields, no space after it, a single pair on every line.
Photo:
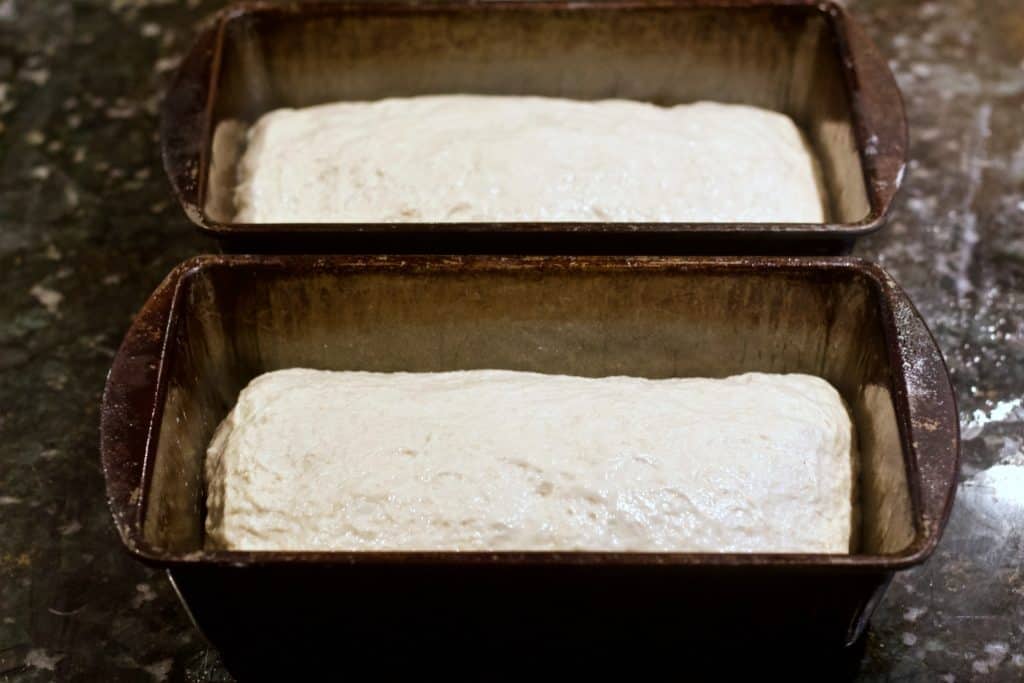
[481,158]
[502,460]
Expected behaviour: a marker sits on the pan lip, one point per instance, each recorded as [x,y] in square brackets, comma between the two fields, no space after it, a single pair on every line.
[386,7]
[882,286]
[838,19]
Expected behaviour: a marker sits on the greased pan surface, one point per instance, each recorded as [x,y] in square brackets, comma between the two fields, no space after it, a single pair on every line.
[218,321]
[807,59]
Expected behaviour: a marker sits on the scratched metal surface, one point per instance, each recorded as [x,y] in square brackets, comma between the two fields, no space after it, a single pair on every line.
[87,230]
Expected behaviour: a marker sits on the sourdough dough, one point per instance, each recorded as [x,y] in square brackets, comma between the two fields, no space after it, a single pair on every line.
[502,460]
[487,158]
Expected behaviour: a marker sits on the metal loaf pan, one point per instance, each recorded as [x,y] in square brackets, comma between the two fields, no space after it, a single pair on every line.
[806,58]
[218,321]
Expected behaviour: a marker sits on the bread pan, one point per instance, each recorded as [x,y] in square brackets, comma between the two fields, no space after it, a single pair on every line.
[218,321]
[805,58]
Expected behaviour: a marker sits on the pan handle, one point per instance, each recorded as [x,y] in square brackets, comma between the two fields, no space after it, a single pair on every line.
[183,122]
[933,424]
[882,124]
[130,401]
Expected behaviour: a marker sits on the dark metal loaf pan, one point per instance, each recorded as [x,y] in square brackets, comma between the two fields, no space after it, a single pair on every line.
[805,58]
[218,321]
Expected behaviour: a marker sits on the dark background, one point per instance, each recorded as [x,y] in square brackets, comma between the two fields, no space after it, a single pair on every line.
[88,227]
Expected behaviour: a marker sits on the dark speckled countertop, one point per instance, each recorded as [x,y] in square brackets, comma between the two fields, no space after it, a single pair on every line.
[88,228]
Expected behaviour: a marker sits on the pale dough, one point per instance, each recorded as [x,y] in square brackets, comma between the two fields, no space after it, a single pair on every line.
[502,460]
[488,158]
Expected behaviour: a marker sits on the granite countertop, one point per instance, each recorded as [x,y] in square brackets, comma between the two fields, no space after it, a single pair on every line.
[88,228]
